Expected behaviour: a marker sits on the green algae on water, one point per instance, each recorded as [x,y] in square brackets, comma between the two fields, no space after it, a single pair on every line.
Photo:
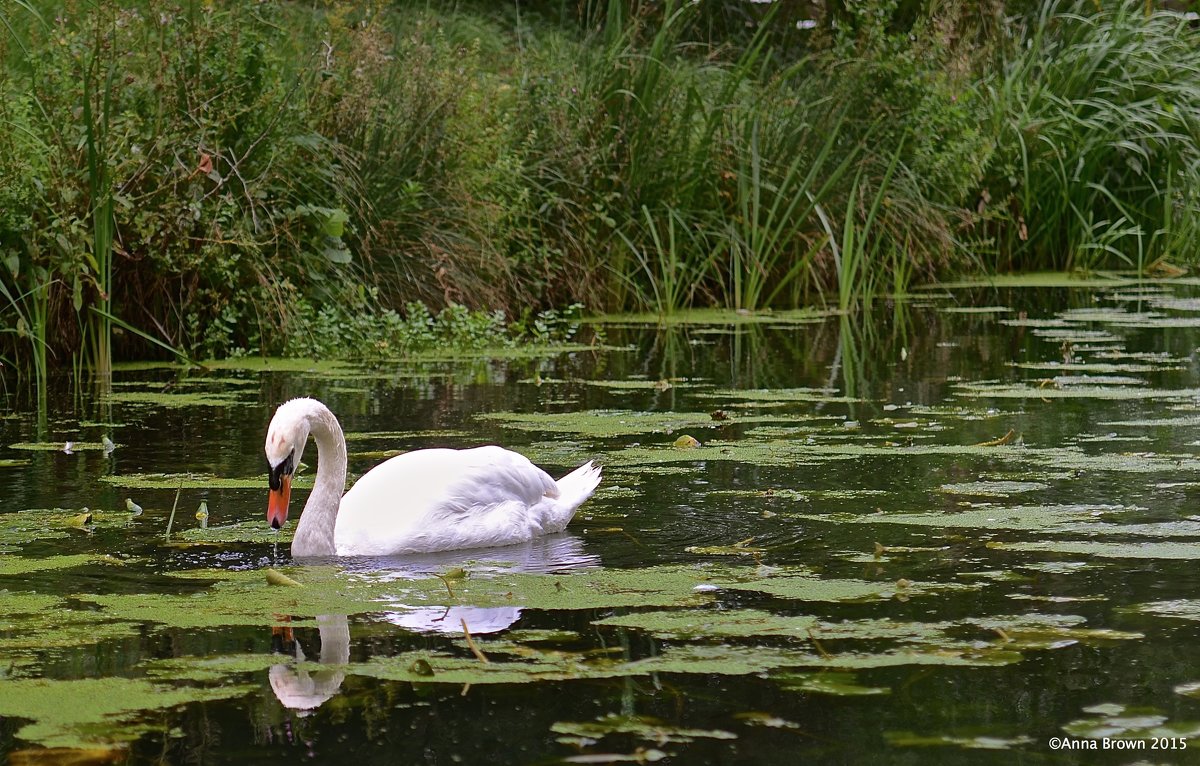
[1116,721]
[807,587]
[194,481]
[1109,392]
[17,565]
[239,532]
[714,316]
[21,527]
[965,740]
[67,446]
[1148,550]
[96,711]
[243,598]
[1057,518]
[640,727]
[993,488]
[176,400]
[604,423]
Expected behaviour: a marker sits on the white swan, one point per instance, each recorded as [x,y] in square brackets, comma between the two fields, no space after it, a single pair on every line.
[419,502]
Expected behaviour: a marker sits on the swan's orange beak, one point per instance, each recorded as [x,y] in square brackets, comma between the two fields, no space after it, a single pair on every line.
[277,504]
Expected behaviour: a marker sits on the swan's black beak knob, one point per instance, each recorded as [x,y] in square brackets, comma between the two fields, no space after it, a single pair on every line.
[280,479]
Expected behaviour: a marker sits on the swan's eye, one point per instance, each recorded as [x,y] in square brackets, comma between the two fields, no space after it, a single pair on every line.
[285,468]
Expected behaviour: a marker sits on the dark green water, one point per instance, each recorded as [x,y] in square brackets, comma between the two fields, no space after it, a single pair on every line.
[937,535]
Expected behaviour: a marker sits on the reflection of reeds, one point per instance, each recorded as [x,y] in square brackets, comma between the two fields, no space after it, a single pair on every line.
[30,309]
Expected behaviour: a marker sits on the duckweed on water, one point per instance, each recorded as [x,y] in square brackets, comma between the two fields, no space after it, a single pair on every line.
[782,395]
[240,532]
[1017,632]
[91,711]
[993,488]
[721,317]
[32,624]
[1182,609]
[244,598]
[1101,279]
[1113,393]
[63,446]
[530,664]
[1052,518]
[176,400]
[607,423]
[641,727]
[964,740]
[195,481]
[1116,721]
[807,587]
[833,683]
[1156,550]
[33,524]
[323,367]
[17,565]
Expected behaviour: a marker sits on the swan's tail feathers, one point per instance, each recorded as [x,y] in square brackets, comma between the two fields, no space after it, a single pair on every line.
[573,489]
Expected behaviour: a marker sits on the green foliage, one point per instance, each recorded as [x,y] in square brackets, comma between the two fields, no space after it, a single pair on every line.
[1095,117]
[266,177]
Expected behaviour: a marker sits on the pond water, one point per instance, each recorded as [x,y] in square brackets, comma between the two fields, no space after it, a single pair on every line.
[948,532]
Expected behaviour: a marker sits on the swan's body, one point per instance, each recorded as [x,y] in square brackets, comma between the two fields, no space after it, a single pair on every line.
[419,502]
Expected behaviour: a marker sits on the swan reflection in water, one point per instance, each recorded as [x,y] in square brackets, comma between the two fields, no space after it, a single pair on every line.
[301,688]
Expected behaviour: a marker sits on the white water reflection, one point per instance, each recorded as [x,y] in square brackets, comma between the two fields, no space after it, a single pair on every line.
[301,687]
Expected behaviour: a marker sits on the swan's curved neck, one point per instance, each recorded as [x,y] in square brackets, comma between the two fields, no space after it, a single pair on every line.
[314,531]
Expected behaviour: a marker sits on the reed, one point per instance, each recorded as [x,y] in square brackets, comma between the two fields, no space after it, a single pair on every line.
[98,83]
[1096,117]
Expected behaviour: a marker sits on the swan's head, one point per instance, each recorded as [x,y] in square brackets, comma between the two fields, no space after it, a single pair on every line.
[286,437]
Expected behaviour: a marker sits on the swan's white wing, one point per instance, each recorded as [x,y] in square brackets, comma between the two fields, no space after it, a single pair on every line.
[440,499]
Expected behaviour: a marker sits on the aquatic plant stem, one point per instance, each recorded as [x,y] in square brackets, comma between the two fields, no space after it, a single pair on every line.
[479,655]
[171,518]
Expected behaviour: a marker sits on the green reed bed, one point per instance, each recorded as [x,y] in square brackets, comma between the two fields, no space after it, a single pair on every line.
[257,177]
[1095,118]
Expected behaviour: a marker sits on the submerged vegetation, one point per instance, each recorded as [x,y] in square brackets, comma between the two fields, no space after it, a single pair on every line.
[361,180]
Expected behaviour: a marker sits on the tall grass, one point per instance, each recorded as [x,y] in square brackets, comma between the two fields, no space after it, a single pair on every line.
[98,83]
[1096,116]
[260,176]
[776,205]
